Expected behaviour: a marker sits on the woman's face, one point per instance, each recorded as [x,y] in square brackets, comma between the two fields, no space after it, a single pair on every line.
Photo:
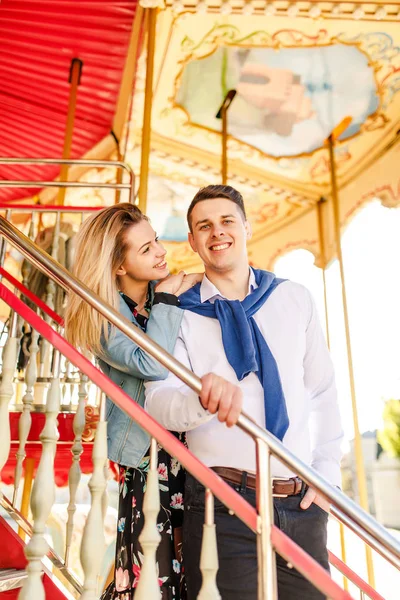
[145,257]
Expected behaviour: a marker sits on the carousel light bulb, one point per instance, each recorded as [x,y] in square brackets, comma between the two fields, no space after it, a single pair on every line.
[226,8]
[336,10]
[380,13]
[358,13]
[248,9]
[293,10]
[201,7]
[269,10]
[315,11]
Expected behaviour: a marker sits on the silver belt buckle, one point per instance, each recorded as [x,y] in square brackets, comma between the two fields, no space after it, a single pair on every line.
[280,479]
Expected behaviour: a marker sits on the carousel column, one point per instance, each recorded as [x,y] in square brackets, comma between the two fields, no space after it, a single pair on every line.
[45,350]
[151,17]
[93,542]
[361,479]
[43,492]
[321,208]
[74,81]
[125,97]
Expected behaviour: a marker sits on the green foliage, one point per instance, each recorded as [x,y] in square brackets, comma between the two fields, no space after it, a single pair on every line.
[389,437]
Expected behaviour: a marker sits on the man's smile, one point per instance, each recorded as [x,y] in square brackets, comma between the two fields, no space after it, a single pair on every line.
[219,247]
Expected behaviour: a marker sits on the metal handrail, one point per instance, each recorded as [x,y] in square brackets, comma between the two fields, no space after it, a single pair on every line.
[379,538]
[282,544]
[83,162]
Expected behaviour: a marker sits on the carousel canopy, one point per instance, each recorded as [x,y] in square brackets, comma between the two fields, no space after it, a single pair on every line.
[39,39]
[299,70]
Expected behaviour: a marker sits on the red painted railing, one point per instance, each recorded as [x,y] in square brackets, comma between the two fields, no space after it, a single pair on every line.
[32,297]
[283,545]
[353,577]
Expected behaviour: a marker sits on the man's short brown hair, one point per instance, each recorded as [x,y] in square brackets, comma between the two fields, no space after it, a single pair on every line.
[216,191]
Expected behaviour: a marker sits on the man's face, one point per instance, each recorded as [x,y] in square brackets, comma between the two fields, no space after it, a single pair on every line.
[219,234]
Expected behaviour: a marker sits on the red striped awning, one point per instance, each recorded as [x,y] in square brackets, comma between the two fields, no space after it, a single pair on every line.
[38,40]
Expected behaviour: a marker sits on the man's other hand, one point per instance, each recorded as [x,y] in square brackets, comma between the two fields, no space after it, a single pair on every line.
[311,497]
[222,397]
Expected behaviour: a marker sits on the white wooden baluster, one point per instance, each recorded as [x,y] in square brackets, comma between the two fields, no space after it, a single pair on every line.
[7,387]
[43,491]
[209,553]
[93,542]
[50,297]
[148,587]
[75,470]
[25,421]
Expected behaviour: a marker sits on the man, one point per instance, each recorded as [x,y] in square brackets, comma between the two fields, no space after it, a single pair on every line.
[246,329]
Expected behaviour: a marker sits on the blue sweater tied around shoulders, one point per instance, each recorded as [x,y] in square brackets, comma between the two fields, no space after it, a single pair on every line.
[244,345]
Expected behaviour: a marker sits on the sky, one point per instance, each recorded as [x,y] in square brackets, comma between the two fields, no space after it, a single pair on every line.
[371,254]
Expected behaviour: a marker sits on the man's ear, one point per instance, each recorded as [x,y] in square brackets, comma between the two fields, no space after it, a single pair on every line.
[249,232]
[192,242]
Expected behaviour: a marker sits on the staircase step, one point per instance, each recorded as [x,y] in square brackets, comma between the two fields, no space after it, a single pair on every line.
[11,579]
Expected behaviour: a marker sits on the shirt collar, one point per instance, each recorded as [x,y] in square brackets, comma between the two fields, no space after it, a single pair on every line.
[208,291]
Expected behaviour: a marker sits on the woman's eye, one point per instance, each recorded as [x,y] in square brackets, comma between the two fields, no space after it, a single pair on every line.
[147,249]
[157,238]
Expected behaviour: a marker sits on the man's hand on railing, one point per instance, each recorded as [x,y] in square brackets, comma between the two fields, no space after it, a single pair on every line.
[311,497]
[222,397]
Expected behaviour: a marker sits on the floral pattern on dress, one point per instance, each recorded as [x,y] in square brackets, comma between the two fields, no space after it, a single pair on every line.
[129,557]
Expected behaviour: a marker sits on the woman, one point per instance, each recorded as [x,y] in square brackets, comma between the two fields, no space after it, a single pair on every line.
[119,257]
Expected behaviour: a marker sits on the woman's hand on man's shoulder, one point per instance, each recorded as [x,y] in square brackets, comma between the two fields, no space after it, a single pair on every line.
[179,283]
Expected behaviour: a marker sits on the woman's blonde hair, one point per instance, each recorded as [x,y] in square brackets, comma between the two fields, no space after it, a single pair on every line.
[101,248]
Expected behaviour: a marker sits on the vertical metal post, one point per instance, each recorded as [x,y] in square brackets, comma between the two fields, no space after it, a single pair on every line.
[74,80]
[223,115]
[3,243]
[224,154]
[267,584]
[361,479]
[26,492]
[148,104]
[322,250]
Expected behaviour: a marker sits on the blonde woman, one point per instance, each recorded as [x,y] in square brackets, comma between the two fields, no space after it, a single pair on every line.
[119,257]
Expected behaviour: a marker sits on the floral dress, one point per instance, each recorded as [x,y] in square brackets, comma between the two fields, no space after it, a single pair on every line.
[129,557]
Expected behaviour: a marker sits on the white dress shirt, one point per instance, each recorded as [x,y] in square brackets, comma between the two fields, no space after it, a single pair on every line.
[289,323]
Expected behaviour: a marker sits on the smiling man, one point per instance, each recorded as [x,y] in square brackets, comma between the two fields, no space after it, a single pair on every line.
[246,330]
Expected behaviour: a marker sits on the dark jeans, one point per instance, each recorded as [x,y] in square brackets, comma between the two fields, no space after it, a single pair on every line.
[237,551]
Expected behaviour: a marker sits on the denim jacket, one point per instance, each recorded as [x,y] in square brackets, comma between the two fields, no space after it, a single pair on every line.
[129,367]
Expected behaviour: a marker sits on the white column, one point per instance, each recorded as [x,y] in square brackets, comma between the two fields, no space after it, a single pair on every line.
[93,542]
[74,476]
[50,296]
[148,587]
[7,387]
[25,421]
[209,553]
[43,492]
